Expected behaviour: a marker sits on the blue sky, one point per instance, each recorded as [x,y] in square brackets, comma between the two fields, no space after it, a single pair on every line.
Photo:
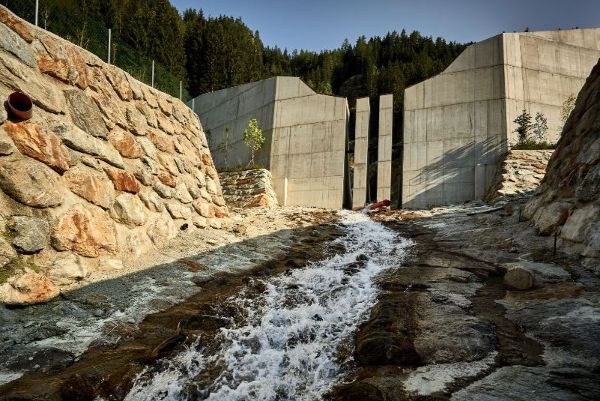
[324,24]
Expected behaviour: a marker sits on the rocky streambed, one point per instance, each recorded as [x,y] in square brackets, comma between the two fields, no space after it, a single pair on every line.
[403,306]
[446,326]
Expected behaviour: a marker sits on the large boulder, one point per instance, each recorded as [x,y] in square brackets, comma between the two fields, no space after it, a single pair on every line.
[27,289]
[92,185]
[34,141]
[30,234]
[87,231]
[31,183]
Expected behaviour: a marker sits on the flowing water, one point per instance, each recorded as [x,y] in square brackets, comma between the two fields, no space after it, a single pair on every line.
[295,339]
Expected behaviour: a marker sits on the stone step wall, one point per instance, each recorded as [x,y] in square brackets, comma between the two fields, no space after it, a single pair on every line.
[249,188]
[520,174]
[107,169]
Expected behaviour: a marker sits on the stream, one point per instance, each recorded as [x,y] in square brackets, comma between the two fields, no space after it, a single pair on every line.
[292,338]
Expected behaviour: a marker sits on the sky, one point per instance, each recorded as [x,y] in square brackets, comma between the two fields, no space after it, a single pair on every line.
[324,24]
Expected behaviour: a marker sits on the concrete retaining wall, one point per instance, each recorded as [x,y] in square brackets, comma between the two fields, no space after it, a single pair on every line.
[305,136]
[459,124]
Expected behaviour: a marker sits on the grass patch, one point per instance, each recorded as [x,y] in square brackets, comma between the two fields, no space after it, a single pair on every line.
[17,264]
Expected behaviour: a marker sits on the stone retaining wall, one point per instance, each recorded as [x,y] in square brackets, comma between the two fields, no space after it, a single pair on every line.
[249,188]
[568,199]
[106,169]
[520,173]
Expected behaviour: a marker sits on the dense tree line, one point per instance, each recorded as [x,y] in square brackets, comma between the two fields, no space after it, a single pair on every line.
[223,52]
[218,52]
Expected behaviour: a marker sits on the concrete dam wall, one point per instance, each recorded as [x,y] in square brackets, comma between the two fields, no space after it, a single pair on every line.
[459,125]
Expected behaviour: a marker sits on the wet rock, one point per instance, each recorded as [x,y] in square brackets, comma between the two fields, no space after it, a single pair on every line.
[31,183]
[14,44]
[126,144]
[85,113]
[68,269]
[85,231]
[518,277]
[447,333]
[542,272]
[123,180]
[42,360]
[34,141]
[91,185]
[27,289]
[530,383]
[30,234]
[78,140]
[129,210]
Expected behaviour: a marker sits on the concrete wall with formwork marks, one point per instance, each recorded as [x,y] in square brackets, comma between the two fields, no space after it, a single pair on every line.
[305,136]
[384,147]
[361,152]
[459,124]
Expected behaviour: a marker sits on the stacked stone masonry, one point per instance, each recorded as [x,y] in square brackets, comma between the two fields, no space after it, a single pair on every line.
[568,199]
[520,173]
[248,188]
[106,169]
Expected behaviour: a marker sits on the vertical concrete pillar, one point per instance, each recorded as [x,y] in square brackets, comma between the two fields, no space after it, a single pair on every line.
[384,153]
[361,153]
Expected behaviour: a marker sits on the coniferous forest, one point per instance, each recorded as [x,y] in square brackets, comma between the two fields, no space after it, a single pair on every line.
[212,53]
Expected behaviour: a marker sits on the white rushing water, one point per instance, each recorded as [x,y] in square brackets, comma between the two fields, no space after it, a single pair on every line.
[287,347]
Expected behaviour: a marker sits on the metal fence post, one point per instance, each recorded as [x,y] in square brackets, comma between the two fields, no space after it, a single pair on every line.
[153,73]
[109,43]
[37,7]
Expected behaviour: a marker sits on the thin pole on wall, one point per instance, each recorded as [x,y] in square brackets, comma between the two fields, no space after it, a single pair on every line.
[153,73]
[194,105]
[109,44]
[37,7]
[180,90]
